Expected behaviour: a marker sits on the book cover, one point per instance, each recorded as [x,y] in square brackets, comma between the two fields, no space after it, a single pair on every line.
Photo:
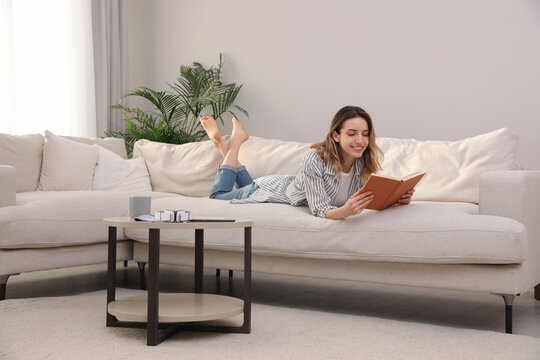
[388,190]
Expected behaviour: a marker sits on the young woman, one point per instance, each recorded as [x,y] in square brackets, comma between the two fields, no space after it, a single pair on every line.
[332,171]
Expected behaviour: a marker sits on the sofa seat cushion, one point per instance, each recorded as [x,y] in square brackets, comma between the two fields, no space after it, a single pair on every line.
[60,218]
[422,232]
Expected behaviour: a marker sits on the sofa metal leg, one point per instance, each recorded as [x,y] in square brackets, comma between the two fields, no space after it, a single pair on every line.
[3,282]
[218,273]
[508,302]
[537,292]
[125,263]
[142,265]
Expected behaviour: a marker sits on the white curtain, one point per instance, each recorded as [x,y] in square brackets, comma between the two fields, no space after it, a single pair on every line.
[109,31]
[47,67]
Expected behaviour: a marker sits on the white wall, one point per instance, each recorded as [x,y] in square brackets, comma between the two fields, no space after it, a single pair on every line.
[439,70]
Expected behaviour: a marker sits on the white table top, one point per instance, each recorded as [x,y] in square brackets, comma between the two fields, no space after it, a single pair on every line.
[126,222]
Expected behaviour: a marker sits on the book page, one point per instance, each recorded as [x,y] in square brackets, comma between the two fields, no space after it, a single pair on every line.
[408,177]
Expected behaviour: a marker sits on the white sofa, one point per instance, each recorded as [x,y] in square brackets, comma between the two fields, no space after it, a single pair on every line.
[473,225]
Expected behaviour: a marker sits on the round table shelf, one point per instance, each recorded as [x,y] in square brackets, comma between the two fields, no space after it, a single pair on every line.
[181,307]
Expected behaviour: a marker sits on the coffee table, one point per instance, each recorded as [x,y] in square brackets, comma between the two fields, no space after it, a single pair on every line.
[164,314]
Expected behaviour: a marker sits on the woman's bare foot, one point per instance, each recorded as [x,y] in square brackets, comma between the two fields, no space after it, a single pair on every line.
[238,134]
[238,137]
[209,125]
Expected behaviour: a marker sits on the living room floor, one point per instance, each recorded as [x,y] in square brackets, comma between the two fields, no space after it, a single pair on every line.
[457,309]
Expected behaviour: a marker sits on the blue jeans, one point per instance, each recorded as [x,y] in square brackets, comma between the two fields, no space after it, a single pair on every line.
[228,176]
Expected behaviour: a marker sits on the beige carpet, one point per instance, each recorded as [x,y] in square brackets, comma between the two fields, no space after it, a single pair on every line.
[73,327]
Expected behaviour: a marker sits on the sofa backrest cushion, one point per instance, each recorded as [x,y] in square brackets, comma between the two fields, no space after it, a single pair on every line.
[190,169]
[452,168]
[112,173]
[187,169]
[24,153]
[270,156]
[67,165]
[116,145]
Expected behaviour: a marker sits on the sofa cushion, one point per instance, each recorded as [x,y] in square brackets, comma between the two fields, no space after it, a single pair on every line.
[112,173]
[67,165]
[60,218]
[279,157]
[190,169]
[187,169]
[452,168]
[116,145]
[423,232]
[24,153]
[8,185]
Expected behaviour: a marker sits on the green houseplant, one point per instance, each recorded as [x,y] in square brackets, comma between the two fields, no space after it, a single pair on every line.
[175,115]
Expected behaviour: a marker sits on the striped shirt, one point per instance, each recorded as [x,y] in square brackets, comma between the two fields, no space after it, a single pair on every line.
[314,185]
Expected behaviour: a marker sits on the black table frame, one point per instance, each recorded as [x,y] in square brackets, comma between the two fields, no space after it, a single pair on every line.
[157,332]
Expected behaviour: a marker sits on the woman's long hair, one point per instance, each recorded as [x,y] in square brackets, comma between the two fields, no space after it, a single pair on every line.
[330,151]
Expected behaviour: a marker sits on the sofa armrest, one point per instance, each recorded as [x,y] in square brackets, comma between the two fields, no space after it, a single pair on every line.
[8,185]
[516,194]
[511,193]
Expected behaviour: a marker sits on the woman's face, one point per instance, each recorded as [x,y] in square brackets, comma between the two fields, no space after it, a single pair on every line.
[353,138]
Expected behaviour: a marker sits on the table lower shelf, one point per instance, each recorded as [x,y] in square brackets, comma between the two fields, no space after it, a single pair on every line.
[178,307]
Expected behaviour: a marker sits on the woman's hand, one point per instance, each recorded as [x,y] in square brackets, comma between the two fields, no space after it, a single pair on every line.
[358,202]
[406,198]
[355,205]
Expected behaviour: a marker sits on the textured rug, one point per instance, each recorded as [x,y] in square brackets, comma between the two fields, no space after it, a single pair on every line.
[73,327]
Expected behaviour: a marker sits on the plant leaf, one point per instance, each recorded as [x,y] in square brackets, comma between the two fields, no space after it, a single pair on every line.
[175,113]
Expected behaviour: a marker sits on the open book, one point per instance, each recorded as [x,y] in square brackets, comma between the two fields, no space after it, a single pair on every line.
[388,190]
